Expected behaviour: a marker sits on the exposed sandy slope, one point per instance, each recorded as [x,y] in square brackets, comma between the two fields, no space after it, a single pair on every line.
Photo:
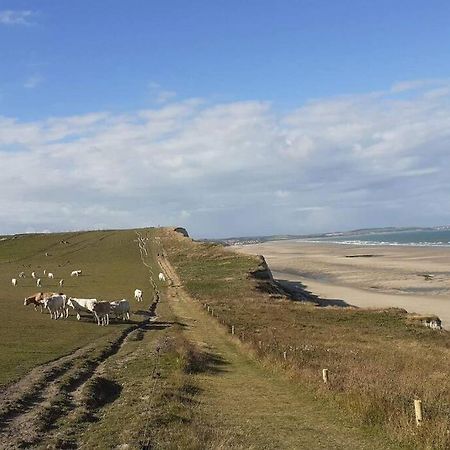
[393,276]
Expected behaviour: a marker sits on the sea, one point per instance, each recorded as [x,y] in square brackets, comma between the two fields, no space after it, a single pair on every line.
[420,238]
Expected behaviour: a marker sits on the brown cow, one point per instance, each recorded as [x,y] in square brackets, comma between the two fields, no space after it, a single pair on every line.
[38,299]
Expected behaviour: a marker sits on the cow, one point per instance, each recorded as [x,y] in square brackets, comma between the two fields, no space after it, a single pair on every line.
[22,275]
[102,310]
[121,308]
[161,277]
[76,273]
[138,295]
[82,305]
[57,306]
[38,282]
[38,299]
[14,281]
[61,282]
[50,275]
[33,275]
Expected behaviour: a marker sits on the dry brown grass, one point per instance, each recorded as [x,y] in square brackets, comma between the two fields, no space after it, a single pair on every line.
[379,361]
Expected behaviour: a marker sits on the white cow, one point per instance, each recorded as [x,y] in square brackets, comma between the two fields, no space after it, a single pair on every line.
[50,275]
[14,281]
[102,310]
[57,306]
[38,282]
[138,295]
[121,308]
[45,271]
[161,277]
[82,305]
[33,275]
[61,282]
[76,273]
[22,275]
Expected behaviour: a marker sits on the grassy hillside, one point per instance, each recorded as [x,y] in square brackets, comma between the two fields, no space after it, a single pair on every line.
[112,269]
[378,361]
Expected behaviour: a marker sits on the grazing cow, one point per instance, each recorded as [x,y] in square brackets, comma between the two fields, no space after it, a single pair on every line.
[82,305]
[22,275]
[102,310]
[161,277]
[33,275]
[38,282]
[45,271]
[38,299]
[14,281]
[76,273]
[61,282]
[57,306]
[121,308]
[50,275]
[138,295]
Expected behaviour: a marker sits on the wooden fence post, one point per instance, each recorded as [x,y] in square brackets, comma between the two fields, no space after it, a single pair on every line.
[259,344]
[285,355]
[418,410]
[232,329]
[208,308]
[325,376]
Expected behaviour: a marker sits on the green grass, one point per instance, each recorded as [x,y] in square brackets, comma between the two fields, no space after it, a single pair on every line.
[378,361]
[112,269]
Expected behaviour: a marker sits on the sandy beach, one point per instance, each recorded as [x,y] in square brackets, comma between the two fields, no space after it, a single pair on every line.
[414,278]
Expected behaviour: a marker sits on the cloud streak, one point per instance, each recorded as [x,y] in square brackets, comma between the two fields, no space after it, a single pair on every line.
[16,17]
[234,168]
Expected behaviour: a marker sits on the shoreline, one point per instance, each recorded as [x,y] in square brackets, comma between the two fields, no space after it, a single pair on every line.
[361,298]
[365,276]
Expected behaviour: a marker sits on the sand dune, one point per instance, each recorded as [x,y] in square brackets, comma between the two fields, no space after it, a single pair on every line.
[370,276]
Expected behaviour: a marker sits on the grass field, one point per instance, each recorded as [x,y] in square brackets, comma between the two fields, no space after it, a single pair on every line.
[378,361]
[112,269]
[181,381]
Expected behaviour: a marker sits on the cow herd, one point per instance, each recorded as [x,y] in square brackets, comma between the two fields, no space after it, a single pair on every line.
[59,305]
[49,275]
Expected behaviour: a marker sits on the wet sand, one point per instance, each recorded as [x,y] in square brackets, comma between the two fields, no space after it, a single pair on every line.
[414,278]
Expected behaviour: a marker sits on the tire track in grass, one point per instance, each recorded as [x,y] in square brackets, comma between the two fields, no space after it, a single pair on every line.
[35,403]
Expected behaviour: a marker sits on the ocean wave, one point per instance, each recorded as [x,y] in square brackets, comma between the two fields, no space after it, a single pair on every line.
[377,243]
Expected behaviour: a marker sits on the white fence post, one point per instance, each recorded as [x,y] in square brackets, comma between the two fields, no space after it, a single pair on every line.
[418,410]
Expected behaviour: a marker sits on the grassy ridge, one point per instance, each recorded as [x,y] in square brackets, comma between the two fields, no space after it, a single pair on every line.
[378,361]
[112,269]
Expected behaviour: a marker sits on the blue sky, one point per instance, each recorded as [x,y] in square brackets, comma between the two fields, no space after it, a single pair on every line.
[151,73]
[97,55]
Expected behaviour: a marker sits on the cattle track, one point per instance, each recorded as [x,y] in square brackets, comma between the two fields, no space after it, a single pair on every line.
[31,406]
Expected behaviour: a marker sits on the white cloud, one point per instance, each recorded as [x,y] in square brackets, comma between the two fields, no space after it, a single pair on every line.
[10,17]
[233,169]
[33,81]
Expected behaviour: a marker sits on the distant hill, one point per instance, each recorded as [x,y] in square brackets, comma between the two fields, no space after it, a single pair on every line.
[281,237]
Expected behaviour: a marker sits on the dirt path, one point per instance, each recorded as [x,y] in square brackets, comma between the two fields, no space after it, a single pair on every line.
[259,408]
[30,407]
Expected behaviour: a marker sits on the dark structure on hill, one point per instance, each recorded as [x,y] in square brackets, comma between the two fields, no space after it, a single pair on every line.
[182,231]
